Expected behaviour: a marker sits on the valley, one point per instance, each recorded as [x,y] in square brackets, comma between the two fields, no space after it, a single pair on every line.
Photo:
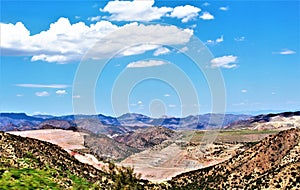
[158,154]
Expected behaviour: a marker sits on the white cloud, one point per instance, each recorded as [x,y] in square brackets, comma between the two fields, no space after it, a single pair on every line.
[219,40]
[19,95]
[167,95]
[64,42]
[61,92]
[172,106]
[148,63]
[285,52]
[185,13]
[184,49]
[145,38]
[41,94]
[224,62]
[224,8]
[240,39]
[207,16]
[161,51]
[205,4]
[135,10]
[244,91]
[95,18]
[43,85]
[140,102]
[76,96]
[135,50]
[77,17]
[215,42]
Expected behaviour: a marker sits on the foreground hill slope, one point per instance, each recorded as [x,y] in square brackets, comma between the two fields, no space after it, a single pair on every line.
[27,162]
[273,163]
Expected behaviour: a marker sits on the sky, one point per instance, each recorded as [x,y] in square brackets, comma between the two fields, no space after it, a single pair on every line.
[173,58]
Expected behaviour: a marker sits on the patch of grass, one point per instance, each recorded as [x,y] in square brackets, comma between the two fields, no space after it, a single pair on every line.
[27,178]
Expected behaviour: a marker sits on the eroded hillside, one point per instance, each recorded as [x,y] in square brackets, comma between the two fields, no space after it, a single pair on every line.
[272,163]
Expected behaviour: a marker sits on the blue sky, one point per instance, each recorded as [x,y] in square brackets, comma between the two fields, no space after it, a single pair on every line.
[253,46]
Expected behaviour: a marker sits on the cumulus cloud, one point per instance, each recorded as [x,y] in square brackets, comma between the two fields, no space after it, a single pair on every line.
[61,92]
[244,91]
[185,13]
[285,52]
[95,18]
[43,85]
[215,42]
[41,94]
[207,16]
[161,51]
[224,8]
[139,49]
[205,4]
[64,42]
[224,62]
[135,10]
[148,63]
[240,39]
[146,37]
[184,49]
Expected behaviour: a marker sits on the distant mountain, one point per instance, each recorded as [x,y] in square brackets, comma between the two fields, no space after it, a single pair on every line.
[110,125]
[43,116]
[206,121]
[273,163]
[57,124]
[282,120]
[18,121]
[20,116]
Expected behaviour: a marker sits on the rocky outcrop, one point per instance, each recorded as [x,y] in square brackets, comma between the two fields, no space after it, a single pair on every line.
[107,148]
[146,138]
[272,163]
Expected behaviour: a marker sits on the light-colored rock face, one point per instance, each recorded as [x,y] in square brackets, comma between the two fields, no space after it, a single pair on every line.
[162,163]
[280,123]
[68,140]
[273,163]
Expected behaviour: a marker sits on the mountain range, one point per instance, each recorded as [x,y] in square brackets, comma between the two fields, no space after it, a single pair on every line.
[113,125]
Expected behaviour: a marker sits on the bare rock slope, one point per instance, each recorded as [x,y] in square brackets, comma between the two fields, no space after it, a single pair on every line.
[273,163]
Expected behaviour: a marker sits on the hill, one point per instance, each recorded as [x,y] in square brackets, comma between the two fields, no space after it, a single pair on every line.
[27,163]
[146,138]
[273,163]
[278,121]
[107,148]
